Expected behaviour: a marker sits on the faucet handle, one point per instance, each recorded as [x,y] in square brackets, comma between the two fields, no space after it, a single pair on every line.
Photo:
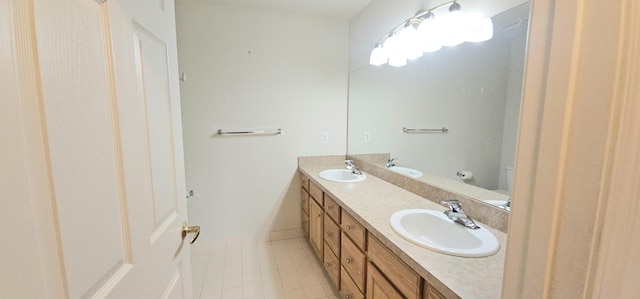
[453,204]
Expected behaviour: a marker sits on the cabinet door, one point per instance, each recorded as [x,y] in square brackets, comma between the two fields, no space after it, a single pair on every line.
[316,216]
[378,287]
[431,293]
[401,275]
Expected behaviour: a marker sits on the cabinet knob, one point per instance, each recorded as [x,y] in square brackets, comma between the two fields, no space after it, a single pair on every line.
[348,260]
[347,296]
[329,207]
[348,226]
[329,234]
[328,264]
[320,215]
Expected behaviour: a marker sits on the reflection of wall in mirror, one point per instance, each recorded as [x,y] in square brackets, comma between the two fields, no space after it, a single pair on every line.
[473,89]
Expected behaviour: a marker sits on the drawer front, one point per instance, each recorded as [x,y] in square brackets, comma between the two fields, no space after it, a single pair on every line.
[332,234]
[332,265]
[354,262]
[399,274]
[348,289]
[316,193]
[331,208]
[305,181]
[354,230]
[304,203]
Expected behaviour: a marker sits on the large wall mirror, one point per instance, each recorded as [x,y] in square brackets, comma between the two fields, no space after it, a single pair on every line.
[473,89]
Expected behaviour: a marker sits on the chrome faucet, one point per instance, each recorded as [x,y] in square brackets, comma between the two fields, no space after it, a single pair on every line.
[354,169]
[456,214]
[390,163]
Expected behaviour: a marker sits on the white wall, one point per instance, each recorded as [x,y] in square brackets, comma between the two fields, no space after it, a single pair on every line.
[512,106]
[256,69]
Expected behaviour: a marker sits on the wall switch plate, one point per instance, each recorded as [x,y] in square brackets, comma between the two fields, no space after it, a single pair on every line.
[325,137]
[367,136]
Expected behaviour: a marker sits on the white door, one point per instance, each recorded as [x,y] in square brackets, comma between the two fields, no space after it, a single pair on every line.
[98,134]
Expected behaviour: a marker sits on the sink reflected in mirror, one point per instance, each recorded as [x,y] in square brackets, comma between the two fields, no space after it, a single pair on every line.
[341,176]
[406,171]
[433,230]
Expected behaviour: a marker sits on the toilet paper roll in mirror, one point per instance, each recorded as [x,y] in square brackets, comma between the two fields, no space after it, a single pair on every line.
[465,174]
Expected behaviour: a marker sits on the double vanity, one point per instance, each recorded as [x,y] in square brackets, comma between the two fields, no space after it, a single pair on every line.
[377,240]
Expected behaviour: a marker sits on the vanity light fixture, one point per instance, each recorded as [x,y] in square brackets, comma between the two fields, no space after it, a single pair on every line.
[424,32]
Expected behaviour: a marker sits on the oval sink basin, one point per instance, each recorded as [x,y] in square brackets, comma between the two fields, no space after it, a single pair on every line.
[406,171]
[435,231]
[498,202]
[341,175]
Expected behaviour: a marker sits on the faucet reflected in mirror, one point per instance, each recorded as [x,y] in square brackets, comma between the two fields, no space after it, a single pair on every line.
[473,89]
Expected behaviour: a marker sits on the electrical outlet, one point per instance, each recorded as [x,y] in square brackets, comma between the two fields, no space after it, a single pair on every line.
[325,137]
[367,136]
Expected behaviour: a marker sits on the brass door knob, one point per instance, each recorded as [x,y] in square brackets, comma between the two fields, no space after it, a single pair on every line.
[186,229]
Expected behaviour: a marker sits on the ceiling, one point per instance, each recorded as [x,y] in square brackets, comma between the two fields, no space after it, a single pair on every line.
[335,9]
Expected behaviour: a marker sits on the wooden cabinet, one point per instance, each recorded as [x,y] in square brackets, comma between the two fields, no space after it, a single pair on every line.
[355,261]
[378,287]
[407,281]
[316,229]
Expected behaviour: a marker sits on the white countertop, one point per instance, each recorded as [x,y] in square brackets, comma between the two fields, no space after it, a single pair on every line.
[373,201]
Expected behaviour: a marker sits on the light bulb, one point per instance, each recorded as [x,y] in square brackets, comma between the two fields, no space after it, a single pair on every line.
[408,42]
[378,55]
[393,50]
[453,26]
[478,29]
[428,34]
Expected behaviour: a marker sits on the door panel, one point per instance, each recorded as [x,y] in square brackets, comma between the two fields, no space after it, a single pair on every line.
[86,168]
[151,72]
[107,114]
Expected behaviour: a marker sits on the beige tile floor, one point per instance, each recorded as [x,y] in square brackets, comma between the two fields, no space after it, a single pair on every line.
[281,269]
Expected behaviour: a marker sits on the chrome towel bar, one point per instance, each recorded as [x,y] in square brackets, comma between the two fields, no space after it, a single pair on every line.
[439,130]
[276,132]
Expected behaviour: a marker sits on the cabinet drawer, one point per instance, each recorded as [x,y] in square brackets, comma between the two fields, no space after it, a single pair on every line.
[332,265]
[332,234]
[348,289]
[354,262]
[399,274]
[354,230]
[305,181]
[304,202]
[316,193]
[331,208]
